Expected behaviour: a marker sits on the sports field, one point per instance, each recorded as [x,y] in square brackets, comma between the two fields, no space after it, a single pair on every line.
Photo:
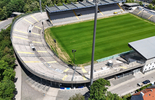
[112,36]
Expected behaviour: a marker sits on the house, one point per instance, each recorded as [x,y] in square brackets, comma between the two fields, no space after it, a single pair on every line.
[146,94]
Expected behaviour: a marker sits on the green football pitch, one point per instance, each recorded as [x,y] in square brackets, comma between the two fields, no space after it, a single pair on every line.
[112,36]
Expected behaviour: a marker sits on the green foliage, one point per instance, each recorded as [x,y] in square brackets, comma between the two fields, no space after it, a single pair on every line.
[144,87]
[153,1]
[150,6]
[140,3]
[127,97]
[7,62]
[116,28]
[98,91]
[7,88]
[77,97]
[25,6]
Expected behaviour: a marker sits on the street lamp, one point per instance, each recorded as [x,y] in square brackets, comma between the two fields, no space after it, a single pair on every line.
[73,51]
[55,45]
[40,6]
[93,46]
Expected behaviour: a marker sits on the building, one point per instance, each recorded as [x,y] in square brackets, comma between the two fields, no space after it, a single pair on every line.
[146,94]
[145,48]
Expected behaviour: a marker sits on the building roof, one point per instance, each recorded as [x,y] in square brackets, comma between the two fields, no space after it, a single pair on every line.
[131,4]
[146,94]
[79,5]
[145,47]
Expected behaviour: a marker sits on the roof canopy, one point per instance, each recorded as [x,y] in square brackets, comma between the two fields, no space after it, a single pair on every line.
[131,4]
[79,5]
[145,47]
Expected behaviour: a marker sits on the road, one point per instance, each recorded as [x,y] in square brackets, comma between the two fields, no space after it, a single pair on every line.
[131,85]
[18,78]
[5,23]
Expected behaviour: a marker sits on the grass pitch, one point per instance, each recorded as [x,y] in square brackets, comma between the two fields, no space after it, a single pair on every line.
[112,36]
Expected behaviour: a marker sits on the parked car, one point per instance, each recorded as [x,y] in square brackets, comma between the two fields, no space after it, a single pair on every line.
[140,84]
[146,81]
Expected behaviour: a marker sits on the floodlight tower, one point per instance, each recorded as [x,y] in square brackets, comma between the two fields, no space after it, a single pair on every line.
[93,46]
[73,51]
[40,6]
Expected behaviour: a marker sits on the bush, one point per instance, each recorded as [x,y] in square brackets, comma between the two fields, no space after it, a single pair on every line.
[77,97]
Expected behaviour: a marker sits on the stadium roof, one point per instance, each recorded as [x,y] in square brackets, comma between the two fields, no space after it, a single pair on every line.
[131,4]
[79,5]
[145,47]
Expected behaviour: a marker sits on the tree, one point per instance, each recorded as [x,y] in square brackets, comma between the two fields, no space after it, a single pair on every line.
[77,97]
[7,88]
[140,3]
[3,67]
[9,74]
[150,6]
[98,89]
[10,59]
[153,1]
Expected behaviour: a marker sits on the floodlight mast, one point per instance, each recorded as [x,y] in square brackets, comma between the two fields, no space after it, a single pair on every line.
[93,46]
[40,6]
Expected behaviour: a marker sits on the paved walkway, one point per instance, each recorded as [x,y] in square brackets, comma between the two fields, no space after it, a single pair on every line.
[18,82]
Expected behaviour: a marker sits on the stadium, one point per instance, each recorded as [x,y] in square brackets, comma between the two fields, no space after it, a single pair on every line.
[34,51]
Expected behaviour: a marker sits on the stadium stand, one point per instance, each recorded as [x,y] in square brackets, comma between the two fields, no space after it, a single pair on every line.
[144,13]
[28,33]
[81,10]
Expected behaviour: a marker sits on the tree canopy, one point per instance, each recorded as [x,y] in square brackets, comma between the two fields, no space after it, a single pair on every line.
[98,91]
[7,62]
[25,6]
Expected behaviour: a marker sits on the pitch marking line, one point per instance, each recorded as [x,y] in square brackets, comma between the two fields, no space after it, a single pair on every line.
[66,70]
[52,62]
[150,16]
[76,15]
[64,77]
[83,69]
[34,18]
[100,11]
[25,52]
[32,61]
[123,67]
[20,38]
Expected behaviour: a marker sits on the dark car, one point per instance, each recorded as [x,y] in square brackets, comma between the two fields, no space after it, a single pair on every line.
[146,81]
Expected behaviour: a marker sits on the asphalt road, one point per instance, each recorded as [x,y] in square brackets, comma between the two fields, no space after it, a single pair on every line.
[131,85]
[5,23]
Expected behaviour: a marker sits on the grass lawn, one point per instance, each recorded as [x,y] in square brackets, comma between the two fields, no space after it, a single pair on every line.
[112,36]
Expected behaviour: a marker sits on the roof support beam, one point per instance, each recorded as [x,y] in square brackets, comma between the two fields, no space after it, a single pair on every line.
[74,4]
[66,6]
[56,6]
[82,4]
